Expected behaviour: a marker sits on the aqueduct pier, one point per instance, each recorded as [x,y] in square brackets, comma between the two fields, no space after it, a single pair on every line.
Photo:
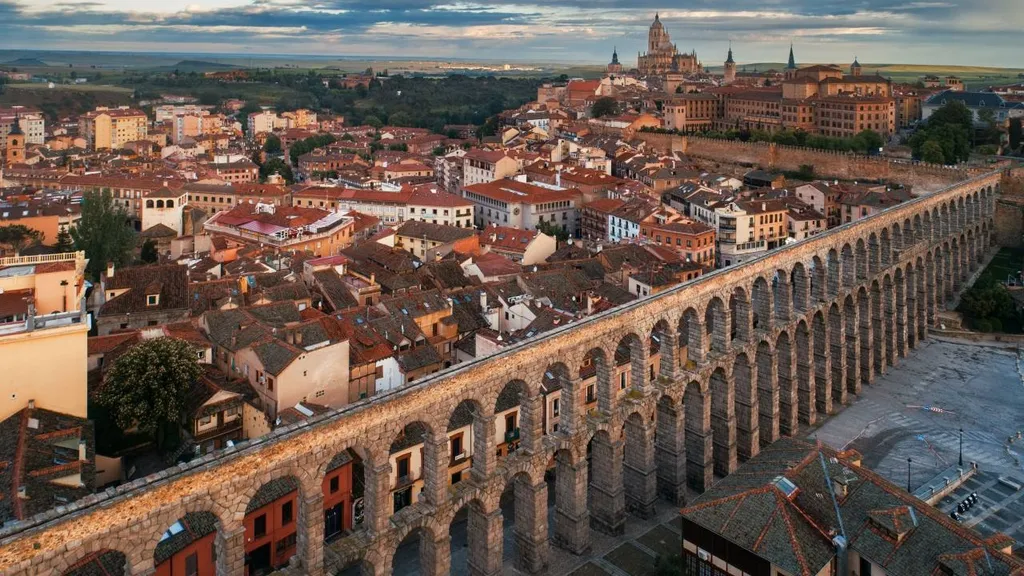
[748,354]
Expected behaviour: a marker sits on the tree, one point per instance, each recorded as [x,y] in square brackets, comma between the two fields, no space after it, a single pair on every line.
[103,232]
[952,112]
[604,106]
[277,166]
[64,243]
[372,121]
[1015,133]
[551,229]
[149,385]
[931,151]
[868,141]
[272,145]
[17,237]
[149,253]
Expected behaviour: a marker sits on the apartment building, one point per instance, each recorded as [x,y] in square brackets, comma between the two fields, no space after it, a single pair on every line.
[111,128]
[524,205]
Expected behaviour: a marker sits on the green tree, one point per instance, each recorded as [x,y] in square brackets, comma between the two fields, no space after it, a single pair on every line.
[551,229]
[400,119]
[604,106]
[149,254]
[401,147]
[272,145]
[953,112]
[372,121]
[17,237]
[63,242]
[438,151]
[277,166]
[103,232]
[931,151]
[148,386]
[868,141]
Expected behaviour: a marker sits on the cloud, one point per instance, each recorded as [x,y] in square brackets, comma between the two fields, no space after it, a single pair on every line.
[926,31]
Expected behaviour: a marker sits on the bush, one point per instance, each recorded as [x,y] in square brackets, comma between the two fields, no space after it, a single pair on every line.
[983,325]
[997,324]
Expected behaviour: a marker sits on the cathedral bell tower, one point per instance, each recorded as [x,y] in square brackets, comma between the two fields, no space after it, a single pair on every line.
[730,68]
[15,144]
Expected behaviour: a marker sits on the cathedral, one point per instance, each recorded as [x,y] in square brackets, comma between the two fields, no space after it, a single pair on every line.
[662,57]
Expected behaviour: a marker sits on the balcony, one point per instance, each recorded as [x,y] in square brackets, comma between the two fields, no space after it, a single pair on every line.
[511,435]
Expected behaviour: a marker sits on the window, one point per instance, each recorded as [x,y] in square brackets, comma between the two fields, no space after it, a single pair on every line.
[152,299]
[259,526]
[456,477]
[456,446]
[270,384]
[192,565]
[286,542]
[590,394]
[204,420]
[554,407]
[622,380]
[334,485]
[286,513]
[510,422]
[403,466]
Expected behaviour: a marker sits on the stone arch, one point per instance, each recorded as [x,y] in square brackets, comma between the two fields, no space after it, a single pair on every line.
[862,260]
[906,237]
[716,322]
[640,479]
[691,330]
[631,364]
[670,449]
[818,276]
[723,422]
[699,467]
[664,342]
[800,281]
[529,515]
[572,512]
[849,266]
[607,496]
[193,533]
[851,333]
[944,220]
[744,373]
[483,534]
[874,254]
[170,203]
[595,373]
[877,327]
[961,221]
[890,323]
[508,420]
[410,465]
[834,267]
[275,500]
[929,289]
[421,549]
[906,312]
[150,204]
[762,305]
[558,384]
[785,352]
[740,314]
[782,296]
[865,328]
[159,203]
[837,353]
[767,394]
[106,561]
[918,229]
[928,227]
[822,365]
[805,373]
[884,249]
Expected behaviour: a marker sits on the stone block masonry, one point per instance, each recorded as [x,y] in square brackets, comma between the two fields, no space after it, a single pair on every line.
[722,394]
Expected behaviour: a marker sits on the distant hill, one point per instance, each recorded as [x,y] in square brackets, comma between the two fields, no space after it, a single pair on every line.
[199,66]
[27,63]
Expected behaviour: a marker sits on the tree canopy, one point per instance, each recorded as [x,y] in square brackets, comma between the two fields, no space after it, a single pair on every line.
[103,233]
[17,237]
[272,145]
[604,106]
[308,145]
[950,128]
[277,166]
[148,386]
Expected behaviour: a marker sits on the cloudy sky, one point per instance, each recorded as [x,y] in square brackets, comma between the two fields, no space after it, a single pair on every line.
[980,32]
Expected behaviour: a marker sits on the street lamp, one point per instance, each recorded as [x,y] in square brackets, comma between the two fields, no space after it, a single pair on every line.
[961,448]
[909,460]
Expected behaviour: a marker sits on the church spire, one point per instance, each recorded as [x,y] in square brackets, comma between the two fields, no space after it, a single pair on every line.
[655,16]
[792,60]
[729,60]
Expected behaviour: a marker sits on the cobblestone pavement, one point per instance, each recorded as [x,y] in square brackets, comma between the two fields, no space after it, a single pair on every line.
[916,411]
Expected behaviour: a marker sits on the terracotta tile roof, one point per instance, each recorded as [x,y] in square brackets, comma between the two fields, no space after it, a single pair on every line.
[169,281]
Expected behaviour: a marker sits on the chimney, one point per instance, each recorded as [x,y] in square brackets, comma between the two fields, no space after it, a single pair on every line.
[298,338]
[31,404]
[764,205]
[110,269]
[483,300]
[81,451]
